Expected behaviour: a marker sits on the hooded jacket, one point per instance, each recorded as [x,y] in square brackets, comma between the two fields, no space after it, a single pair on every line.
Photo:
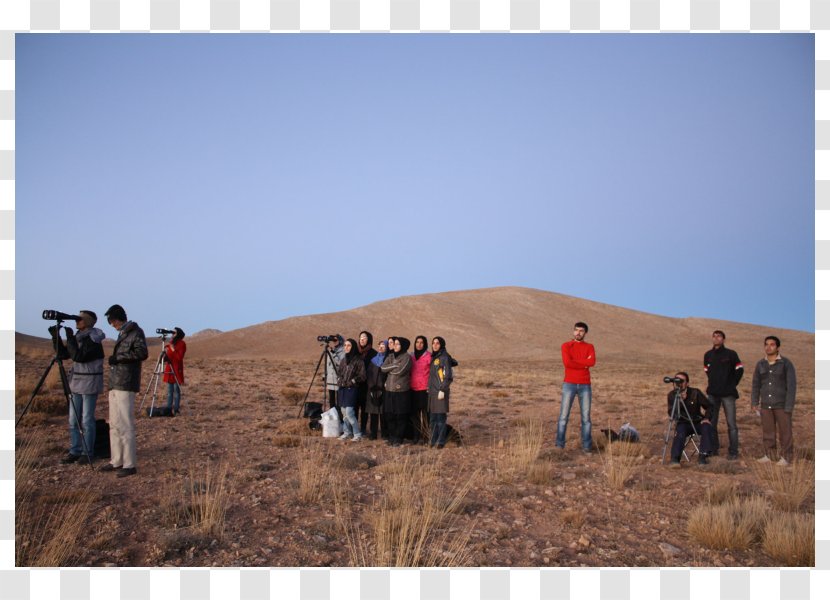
[419,380]
[87,354]
[127,355]
[175,362]
[440,378]
[398,366]
[331,367]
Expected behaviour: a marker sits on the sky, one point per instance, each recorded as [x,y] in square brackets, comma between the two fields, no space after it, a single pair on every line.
[220,181]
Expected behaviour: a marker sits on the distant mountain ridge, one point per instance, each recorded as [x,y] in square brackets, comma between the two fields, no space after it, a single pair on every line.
[503,322]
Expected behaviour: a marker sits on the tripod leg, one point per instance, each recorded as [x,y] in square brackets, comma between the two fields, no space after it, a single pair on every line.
[150,384]
[36,391]
[311,384]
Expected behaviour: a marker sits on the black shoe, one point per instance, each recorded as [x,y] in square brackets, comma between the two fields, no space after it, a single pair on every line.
[109,467]
[126,472]
[373,436]
[70,458]
[732,457]
[440,446]
[702,460]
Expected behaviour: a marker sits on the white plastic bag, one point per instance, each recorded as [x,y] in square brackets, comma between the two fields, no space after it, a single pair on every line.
[330,422]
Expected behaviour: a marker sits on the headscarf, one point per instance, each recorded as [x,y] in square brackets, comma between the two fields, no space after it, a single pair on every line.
[369,343]
[419,353]
[380,357]
[351,354]
[179,334]
[404,345]
[442,342]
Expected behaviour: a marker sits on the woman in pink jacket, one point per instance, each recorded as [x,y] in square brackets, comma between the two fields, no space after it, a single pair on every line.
[419,383]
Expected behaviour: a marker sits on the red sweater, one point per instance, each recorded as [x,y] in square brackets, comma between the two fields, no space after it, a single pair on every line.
[578,357]
[419,376]
[175,363]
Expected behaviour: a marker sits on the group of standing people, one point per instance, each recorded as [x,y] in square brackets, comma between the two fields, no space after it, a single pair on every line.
[86,382]
[773,396]
[386,391]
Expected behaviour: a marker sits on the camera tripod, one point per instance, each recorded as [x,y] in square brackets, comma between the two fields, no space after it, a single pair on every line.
[158,374]
[325,357]
[60,354]
[676,408]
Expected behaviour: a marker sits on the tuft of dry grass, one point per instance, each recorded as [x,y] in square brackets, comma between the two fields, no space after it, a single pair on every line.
[790,539]
[518,456]
[540,472]
[315,466]
[790,486]
[47,527]
[721,493]
[202,503]
[619,463]
[415,523]
[733,525]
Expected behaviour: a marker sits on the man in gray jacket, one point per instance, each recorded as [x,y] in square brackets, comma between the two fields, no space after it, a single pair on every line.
[773,389]
[125,381]
[86,381]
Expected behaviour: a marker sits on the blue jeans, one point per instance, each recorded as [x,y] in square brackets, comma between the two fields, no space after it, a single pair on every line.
[438,426]
[83,405]
[350,424]
[174,396]
[569,391]
[730,410]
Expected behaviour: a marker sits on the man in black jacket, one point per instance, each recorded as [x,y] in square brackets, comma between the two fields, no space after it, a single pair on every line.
[693,416]
[125,381]
[724,370]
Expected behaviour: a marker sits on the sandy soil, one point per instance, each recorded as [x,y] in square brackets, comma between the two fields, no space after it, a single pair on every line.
[242,414]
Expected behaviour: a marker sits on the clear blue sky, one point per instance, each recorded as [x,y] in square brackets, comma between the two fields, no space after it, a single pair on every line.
[218,181]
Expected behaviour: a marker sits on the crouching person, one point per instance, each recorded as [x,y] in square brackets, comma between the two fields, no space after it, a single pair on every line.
[696,417]
[440,378]
[125,381]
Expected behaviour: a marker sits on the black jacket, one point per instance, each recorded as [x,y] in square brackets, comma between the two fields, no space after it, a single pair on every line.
[724,370]
[697,404]
[127,355]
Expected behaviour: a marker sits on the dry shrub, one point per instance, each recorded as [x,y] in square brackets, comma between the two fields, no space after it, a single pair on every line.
[721,493]
[47,528]
[519,454]
[415,523]
[790,486]
[291,395]
[315,465]
[540,472]
[286,441]
[733,525]
[574,518]
[790,539]
[724,467]
[206,500]
[619,462]
[805,453]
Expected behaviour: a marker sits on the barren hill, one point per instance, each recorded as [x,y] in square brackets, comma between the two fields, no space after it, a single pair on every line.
[506,322]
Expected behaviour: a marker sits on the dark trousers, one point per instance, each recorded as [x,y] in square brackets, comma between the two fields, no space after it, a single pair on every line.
[373,425]
[776,418]
[397,426]
[684,430]
[730,411]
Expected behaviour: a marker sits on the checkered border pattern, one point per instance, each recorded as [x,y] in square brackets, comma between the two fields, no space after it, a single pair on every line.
[413,16]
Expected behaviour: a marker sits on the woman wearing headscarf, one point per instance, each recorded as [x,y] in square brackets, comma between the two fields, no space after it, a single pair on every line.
[375,378]
[174,352]
[440,378]
[419,382]
[396,403]
[351,372]
[367,353]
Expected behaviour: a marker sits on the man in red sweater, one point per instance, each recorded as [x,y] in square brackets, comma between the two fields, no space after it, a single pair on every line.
[578,356]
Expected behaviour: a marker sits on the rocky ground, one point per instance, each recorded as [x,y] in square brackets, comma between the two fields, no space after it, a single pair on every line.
[239,424]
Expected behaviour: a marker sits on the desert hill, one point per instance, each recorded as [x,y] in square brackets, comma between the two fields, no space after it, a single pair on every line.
[509,322]
[492,323]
